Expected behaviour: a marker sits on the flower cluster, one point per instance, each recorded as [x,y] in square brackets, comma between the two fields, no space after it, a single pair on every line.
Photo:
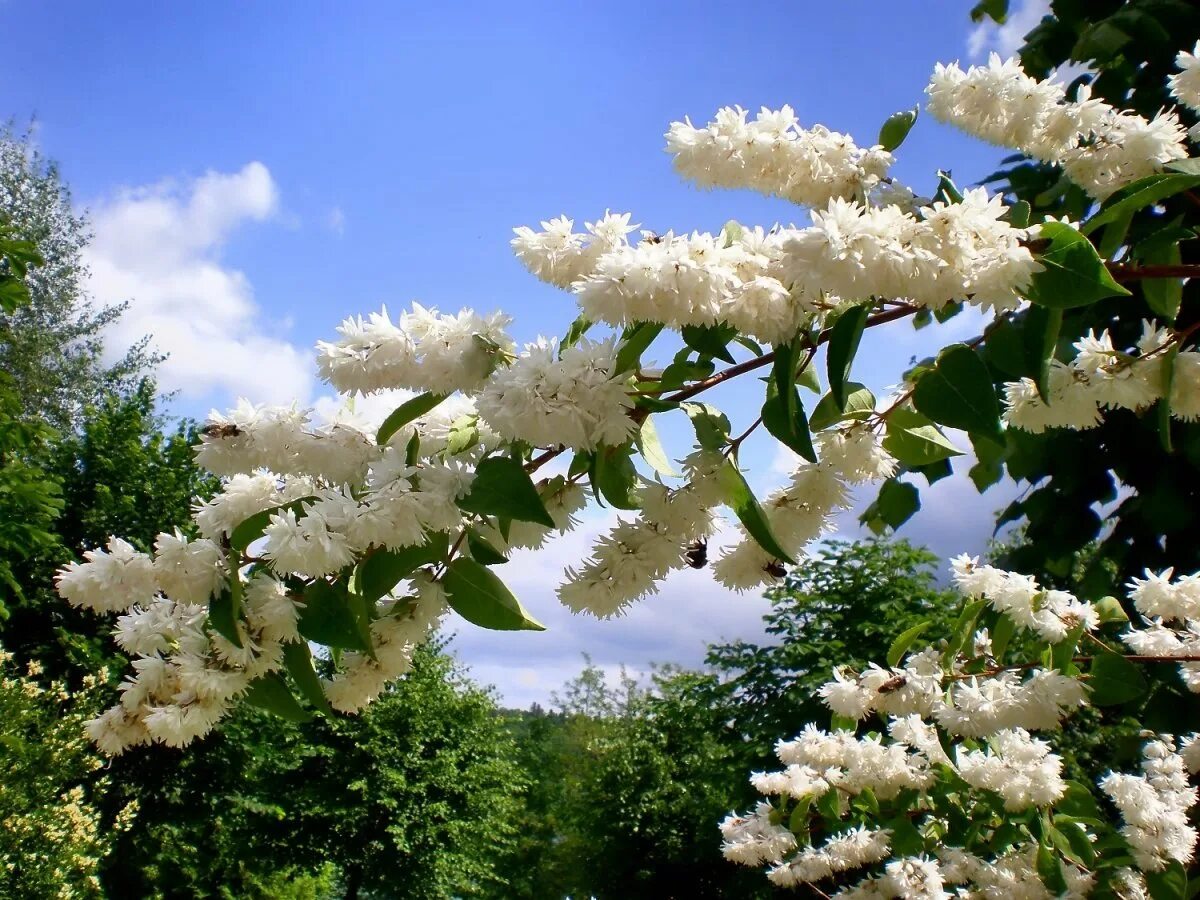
[629,562]
[1102,377]
[768,284]
[575,398]
[1185,85]
[423,351]
[800,512]
[1100,148]
[1172,610]
[775,156]
[958,748]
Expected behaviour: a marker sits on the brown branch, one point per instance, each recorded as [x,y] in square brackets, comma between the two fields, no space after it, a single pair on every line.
[1133,272]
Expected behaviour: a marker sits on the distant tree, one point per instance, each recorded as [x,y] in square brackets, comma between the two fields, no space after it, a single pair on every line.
[415,798]
[844,605]
[52,347]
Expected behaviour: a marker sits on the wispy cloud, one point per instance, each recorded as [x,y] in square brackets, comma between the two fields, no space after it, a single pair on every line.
[159,247]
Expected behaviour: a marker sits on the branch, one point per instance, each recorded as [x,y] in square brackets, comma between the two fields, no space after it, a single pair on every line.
[1133,272]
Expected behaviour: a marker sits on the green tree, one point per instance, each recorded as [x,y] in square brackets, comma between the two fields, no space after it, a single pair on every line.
[415,798]
[844,605]
[53,346]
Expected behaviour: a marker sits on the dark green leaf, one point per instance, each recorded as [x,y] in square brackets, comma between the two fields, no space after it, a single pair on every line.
[843,344]
[616,477]
[223,615]
[480,597]
[1018,214]
[897,503]
[1050,870]
[404,413]
[914,440]
[482,551]
[1073,273]
[964,630]
[1113,679]
[1145,192]
[958,392]
[270,692]
[1169,884]
[746,507]
[383,569]
[791,430]
[1039,337]
[328,619]
[298,660]
[710,340]
[1163,295]
[502,487]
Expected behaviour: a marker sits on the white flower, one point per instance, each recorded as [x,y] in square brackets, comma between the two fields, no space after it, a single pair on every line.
[423,351]
[1021,769]
[753,840]
[1185,86]
[111,580]
[188,571]
[576,400]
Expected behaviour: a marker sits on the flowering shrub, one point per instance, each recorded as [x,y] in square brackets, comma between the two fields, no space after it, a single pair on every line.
[361,540]
[52,837]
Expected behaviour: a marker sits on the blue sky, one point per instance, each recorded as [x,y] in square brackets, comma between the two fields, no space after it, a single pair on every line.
[253,177]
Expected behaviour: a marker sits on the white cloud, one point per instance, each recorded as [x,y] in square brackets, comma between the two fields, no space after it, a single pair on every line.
[1007,39]
[159,247]
[336,221]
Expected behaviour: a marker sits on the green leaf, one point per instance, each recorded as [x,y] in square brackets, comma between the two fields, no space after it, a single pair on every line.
[843,344]
[1002,634]
[633,344]
[1144,192]
[958,392]
[412,450]
[616,477]
[947,190]
[860,404]
[791,430]
[482,550]
[328,619]
[896,504]
[964,630]
[252,528]
[746,507]
[1018,214]
[808,378]
[996,9]
[502,487]
[1169,884]
[901,644]
[896,128]
[1039,338]
[914,440]
[712,425]
[710,340]
[463,435]
[270,692]
[1164,402]
[1050,871]
[298,660]
[1163,295]
[1073,273]
[652,449]
[481,598]
[1109,609]
[1113,679]
[223,615]
[383,569]
[906,839]
[404,413]
[577,330]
